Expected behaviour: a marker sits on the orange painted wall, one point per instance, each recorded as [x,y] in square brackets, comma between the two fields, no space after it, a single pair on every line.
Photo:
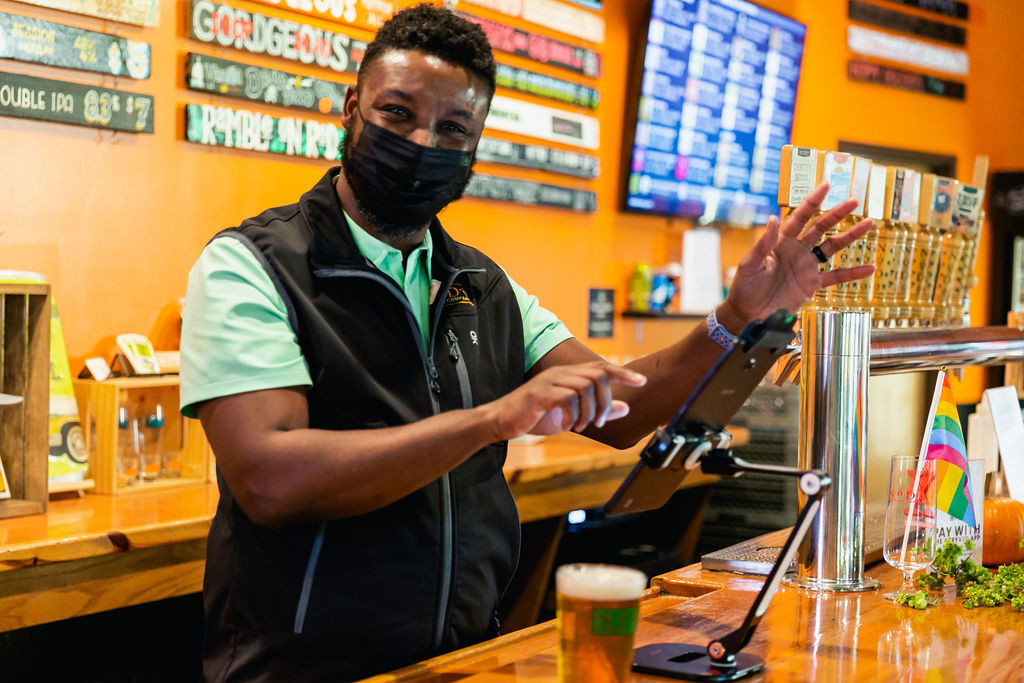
[115,220]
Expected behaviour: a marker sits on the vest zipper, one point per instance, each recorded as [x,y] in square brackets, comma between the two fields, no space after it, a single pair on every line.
[454,352]
[447,523]
[430,369]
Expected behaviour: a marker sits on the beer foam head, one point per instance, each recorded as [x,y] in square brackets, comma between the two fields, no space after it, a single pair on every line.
[600,582]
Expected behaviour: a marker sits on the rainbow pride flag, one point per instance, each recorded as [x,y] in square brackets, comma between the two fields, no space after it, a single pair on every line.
[947,447]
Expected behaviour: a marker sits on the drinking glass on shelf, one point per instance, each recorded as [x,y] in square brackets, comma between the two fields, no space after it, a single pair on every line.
[909,542]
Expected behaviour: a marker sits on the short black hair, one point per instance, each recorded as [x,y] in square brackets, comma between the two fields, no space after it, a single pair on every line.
[437,32]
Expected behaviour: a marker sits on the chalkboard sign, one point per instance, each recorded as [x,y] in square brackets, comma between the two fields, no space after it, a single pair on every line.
[28,97]
[259,84]
[138,12]
[242,129]
[905,79]
[546,86]
[601,313]
[894,20]
[538,47]
[535,156]
[45,42]
[530,193]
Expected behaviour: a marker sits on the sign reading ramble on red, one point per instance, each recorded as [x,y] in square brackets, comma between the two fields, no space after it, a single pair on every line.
[243,129]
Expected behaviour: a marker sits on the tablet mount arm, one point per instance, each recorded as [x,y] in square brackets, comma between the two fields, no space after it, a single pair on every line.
[693,444]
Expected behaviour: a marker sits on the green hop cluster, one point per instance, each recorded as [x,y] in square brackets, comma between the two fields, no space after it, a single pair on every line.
[918,600]
[974,583]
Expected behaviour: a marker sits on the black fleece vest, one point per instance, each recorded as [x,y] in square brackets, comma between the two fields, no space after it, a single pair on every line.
[347,598]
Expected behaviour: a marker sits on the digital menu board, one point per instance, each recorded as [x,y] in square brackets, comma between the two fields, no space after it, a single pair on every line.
[715,107]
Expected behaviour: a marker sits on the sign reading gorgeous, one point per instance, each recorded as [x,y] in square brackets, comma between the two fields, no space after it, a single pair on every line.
[368,14]
[222,24]
[225,127]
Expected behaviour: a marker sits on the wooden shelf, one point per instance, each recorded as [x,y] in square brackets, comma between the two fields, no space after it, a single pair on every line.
[25,372]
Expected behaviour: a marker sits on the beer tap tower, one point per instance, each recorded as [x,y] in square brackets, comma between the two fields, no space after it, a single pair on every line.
[838,351]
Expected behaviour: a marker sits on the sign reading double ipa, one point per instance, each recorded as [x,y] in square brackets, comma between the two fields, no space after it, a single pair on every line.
[28,97]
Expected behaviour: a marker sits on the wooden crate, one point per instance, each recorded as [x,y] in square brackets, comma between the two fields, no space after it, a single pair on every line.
[25,368]
[98,404]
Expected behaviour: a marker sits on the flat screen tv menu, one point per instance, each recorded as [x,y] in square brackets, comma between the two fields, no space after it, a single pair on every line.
[715,108]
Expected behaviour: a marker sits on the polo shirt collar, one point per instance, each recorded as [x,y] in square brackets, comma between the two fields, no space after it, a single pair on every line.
[378,252]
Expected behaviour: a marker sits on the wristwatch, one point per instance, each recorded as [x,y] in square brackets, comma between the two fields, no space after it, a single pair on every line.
[718,333]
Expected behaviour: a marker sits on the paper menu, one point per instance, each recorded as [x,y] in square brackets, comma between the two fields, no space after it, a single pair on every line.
[702,270]
[1009,426]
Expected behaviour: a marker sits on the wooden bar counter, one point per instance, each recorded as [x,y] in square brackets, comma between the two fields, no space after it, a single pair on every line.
[97,552]
[804,636]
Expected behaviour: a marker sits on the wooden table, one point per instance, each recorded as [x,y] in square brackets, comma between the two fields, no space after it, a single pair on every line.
[804,636]
[97,552]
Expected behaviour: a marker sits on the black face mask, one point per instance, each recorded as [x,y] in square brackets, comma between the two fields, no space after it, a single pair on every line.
[401,185]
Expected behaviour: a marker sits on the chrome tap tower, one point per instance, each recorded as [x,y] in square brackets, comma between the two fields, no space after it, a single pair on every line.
[833,438]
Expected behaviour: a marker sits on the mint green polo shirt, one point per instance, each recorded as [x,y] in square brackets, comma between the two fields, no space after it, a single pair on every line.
[236,336]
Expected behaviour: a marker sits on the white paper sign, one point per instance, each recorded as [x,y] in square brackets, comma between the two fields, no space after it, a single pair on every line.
[950,528]
[547,123]
[874,43]
[1006,417]
[702,270]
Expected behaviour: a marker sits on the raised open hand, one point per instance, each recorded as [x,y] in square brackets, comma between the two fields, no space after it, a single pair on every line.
[781,270]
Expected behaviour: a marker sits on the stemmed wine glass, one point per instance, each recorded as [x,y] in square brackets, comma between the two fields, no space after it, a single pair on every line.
[910,518]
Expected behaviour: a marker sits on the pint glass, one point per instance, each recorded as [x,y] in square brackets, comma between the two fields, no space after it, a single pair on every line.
[598,609]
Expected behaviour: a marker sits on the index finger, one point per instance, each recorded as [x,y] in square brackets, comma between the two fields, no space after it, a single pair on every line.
[623,375]
[801,214]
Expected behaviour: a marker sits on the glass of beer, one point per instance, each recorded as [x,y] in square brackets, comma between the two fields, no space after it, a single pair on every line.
[598,610]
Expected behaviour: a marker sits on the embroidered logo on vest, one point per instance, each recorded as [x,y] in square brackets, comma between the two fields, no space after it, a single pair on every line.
[457,295]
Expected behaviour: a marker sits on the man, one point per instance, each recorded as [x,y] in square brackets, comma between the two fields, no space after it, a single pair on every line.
[358,374]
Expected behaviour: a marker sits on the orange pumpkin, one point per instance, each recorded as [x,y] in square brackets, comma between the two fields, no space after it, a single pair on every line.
[1004,527]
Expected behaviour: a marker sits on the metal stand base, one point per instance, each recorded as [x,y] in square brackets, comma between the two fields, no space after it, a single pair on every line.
[691,663]
[810,583]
